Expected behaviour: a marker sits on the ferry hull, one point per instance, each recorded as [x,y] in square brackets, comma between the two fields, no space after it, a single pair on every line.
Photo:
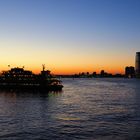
[32,87]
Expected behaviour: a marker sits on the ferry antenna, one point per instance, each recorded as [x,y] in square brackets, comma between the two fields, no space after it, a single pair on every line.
[43,66]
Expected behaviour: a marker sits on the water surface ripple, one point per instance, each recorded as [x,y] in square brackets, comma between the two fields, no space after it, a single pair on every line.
[91,109]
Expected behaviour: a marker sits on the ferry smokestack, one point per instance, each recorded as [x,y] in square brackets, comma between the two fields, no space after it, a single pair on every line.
[137,64]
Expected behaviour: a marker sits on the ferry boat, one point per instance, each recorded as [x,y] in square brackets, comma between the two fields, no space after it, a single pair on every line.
[20,79]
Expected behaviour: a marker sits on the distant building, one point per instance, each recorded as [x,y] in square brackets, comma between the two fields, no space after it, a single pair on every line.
[130,72]
[94,74]
[137,64]
[102,73]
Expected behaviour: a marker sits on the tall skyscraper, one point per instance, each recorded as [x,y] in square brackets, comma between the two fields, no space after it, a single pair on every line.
[130,72]
[137,67]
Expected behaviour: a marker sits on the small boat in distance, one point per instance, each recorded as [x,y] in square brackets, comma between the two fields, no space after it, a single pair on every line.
[20,79]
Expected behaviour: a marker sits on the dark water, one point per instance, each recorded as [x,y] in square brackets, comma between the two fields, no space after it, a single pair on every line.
[102,109]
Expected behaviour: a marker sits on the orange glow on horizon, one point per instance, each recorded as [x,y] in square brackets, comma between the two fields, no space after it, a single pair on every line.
[65,57]
[71,70]
[77,71]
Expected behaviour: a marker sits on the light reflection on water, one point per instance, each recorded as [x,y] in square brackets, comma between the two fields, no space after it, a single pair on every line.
[86,109]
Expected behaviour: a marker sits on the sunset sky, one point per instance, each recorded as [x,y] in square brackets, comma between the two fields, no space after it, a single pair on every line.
[69,36]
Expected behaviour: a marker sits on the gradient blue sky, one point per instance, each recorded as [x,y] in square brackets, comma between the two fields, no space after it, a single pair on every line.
[69,35]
